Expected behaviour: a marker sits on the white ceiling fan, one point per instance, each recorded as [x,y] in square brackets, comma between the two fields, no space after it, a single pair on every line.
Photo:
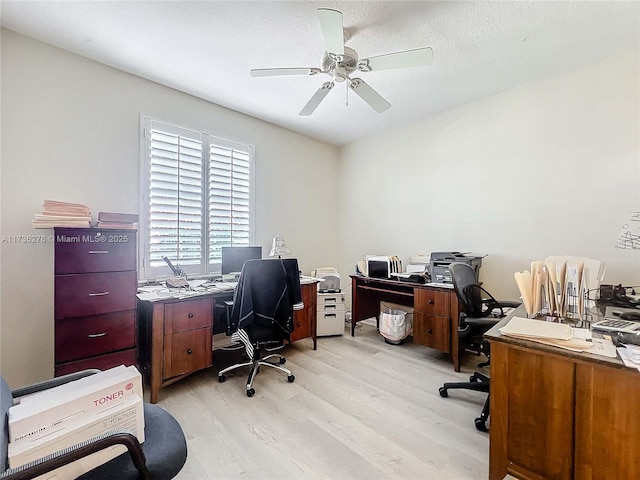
[340,62]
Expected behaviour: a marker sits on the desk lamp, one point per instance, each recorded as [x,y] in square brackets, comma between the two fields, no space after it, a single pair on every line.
[278,247]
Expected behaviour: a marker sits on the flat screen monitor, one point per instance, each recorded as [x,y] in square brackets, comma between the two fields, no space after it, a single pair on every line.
[233,258]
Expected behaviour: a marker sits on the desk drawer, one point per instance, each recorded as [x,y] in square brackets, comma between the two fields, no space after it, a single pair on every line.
[431,331]
[434,302]
[188,315]
[187,352]
[101,362]
[94,293]
[87,251]
[82,337]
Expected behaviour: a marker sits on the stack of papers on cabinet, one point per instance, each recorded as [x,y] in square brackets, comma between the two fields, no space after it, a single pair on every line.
[58,418]
[550,333]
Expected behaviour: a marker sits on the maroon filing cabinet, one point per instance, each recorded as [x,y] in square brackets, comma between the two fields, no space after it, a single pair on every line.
[95,298]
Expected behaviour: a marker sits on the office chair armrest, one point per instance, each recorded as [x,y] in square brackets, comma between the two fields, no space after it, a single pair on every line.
[81,450]
[228,304]
[509,303]
[54,382]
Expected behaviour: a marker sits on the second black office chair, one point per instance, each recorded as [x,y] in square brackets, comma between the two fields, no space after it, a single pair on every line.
[261,317]
[480,312]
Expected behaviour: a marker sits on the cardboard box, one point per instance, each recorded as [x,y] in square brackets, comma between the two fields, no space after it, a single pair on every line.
[127,415]
[71,404]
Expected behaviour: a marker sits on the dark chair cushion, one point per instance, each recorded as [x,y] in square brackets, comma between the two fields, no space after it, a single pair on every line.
[165,450]
[6,401]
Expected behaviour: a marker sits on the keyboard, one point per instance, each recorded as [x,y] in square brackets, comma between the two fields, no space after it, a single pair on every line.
[625,326]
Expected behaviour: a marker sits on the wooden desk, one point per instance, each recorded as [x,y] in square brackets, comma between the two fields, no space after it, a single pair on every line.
[557,414]
[176,335]
[435,310]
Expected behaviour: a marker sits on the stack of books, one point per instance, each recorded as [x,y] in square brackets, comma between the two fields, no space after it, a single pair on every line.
[117,220]
[58,418]
[62,214]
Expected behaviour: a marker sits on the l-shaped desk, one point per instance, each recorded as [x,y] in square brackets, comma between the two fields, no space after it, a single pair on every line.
[435,310]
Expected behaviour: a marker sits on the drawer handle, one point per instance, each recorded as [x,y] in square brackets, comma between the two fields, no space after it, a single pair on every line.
[330,307]
[330,315]
[189,351]
[430,302]
[429,330]
[98,294]
[326,300]
[93,252]
[97,335]
[190,315]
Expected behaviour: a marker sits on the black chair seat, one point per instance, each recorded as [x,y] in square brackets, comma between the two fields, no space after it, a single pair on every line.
[165,450]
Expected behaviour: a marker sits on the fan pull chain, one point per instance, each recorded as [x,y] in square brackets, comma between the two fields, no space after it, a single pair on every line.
[346,94]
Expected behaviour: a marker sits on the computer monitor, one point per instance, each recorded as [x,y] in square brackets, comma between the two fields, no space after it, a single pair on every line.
[233,258]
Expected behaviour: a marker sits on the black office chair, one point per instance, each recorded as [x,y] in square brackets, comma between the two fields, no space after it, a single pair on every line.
[160,457]
[261,317]
[480,312]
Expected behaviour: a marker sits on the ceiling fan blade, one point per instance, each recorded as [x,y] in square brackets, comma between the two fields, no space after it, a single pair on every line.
[408,58]
[312,104]
[369,95]
[332,30]
[273,72]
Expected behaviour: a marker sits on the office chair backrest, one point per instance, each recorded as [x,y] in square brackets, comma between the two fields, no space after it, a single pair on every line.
[266,293]
[464,279]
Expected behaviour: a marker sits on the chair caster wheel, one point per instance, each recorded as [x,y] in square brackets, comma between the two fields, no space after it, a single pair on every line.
[480,425]
[283,360]
[221,378]
[443,392]
[250,392]
[291,378]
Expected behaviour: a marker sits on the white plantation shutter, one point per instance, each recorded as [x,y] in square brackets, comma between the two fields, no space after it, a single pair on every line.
[229,198]
[196,196]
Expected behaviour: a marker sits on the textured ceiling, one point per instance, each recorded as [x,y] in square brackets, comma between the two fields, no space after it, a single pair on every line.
[207,49]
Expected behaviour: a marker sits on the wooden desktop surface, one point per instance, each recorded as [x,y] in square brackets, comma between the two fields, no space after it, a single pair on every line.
[558,414]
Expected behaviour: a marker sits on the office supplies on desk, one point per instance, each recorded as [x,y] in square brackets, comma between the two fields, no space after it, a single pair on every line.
[382,266]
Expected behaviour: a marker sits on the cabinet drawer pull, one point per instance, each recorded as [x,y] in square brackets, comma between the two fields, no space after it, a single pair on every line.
[189,351]
[430,302]
[190,315]
[332,299]
[429,330]
[97,335]
[93,252]
[330,307]
[100,294]
[329,315]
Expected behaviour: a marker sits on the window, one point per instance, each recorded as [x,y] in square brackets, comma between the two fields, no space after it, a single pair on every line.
[196,197]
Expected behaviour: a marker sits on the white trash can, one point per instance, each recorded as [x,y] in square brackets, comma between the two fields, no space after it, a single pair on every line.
[396,323]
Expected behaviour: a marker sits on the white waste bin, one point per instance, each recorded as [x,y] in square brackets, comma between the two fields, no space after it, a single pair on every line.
[396,323]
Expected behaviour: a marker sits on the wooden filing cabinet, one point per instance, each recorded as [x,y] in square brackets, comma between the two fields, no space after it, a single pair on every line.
[432,318]
[95,298]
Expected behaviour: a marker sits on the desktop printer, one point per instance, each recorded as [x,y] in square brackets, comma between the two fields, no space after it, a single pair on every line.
[382,266]
[440,262]
[330,279]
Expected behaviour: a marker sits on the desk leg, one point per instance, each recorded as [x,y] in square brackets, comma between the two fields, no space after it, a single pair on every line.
[157,332]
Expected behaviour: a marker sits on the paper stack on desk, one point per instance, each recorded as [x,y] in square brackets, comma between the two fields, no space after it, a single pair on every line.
[550,333]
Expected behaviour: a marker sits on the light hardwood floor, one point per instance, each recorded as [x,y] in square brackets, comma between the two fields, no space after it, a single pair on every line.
[358,409]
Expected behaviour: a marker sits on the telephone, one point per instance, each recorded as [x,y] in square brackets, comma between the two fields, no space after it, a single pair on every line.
[616,295]
[177,282]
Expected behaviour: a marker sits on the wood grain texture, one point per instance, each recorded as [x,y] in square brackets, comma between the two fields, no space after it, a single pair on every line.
[358,409]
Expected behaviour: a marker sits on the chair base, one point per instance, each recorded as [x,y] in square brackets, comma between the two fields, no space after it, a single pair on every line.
[479,383]
[255,368]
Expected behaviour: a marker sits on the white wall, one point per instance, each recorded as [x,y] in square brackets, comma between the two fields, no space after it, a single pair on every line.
[550,168]
[70,132]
